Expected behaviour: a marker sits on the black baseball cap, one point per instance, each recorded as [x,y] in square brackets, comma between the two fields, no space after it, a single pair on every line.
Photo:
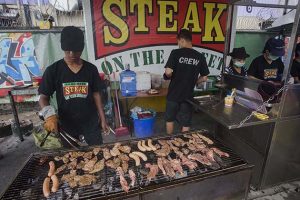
[275,46]
[72,39]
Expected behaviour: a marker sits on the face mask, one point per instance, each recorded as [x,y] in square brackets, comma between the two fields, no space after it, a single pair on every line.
[271,57]
[238,64]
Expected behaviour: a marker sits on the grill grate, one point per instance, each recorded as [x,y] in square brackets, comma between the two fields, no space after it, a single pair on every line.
[29,181]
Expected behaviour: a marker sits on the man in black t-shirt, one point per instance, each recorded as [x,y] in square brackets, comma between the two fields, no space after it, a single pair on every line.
[76,83]
[183,68]
[295,70]
[269,66]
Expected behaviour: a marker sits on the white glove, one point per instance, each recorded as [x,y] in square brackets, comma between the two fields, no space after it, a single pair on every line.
[47,112]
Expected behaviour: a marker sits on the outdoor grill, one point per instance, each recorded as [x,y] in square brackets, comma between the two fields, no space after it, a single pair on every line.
[28,182]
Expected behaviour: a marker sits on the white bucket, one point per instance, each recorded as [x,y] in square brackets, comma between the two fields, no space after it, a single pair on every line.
[143,80]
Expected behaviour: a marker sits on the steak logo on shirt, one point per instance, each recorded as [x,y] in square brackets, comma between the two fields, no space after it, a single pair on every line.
[75,90]
[270,73]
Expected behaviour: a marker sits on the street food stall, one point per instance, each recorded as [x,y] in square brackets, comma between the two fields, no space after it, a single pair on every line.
[217,164]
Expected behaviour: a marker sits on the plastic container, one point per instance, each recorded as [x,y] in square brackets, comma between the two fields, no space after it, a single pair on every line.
[128,83]
[229,101]
[144,127]
[143,81]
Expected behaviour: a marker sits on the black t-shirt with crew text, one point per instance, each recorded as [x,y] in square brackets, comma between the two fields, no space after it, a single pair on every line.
[187,64]
[261,69]
[74,94]
[295,70]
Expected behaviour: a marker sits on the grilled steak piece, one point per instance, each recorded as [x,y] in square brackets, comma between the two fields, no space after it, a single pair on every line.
[153,171]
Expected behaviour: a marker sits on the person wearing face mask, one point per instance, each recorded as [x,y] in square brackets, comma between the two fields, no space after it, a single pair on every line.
[237,63]
[295,70]
[185,67]
[269,66]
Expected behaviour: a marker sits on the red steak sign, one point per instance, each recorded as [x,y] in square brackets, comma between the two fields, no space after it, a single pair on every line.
[121,24]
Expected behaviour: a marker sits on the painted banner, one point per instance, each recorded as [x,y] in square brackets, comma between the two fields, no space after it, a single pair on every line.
[142,33]
[18,64]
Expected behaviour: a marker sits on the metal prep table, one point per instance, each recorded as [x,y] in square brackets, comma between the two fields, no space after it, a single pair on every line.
[270,145]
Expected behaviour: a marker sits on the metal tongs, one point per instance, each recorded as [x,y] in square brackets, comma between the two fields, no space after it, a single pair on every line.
[65,136]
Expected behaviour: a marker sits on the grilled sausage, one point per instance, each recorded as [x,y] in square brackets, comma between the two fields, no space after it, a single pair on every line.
[151,145]
[46,187]
[136,158]
[51,168]
[55,183]
[139,145]
[145,146]
[141,155]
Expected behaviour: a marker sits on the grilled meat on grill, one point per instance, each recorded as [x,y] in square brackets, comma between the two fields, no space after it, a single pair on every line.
[151,145]
[153,171]
[96,150]
[161,166]
[125,166]
[85,179]
[89,166]
[123,157]
[164,151]
[75,154]
[132,177]
[206,139]
[172,146]
[220,153]
[115,151]
[176,164]
[162,142]
[136,159]
[114,164]
[123,181]
[98,167]
[141,155]
[125,149]
[60,169]
[73,164]
[185,151]
[69,178]
[178,153]
[144,145]
[191,147]
[168,167]
[200,158]
[140,147]
[80,165]
[88,155]
[187,162]
[176,143]
[180,141]
[106,153]
[199,146]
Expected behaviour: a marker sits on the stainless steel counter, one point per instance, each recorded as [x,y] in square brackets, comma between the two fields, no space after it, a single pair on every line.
[230,117]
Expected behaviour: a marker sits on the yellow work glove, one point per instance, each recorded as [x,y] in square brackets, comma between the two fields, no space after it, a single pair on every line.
[50,124]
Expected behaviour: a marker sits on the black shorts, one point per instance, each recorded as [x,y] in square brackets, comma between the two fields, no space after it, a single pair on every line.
[180,111]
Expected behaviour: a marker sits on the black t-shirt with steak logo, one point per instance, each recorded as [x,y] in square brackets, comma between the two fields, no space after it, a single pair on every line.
[262,70]
[74,94]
